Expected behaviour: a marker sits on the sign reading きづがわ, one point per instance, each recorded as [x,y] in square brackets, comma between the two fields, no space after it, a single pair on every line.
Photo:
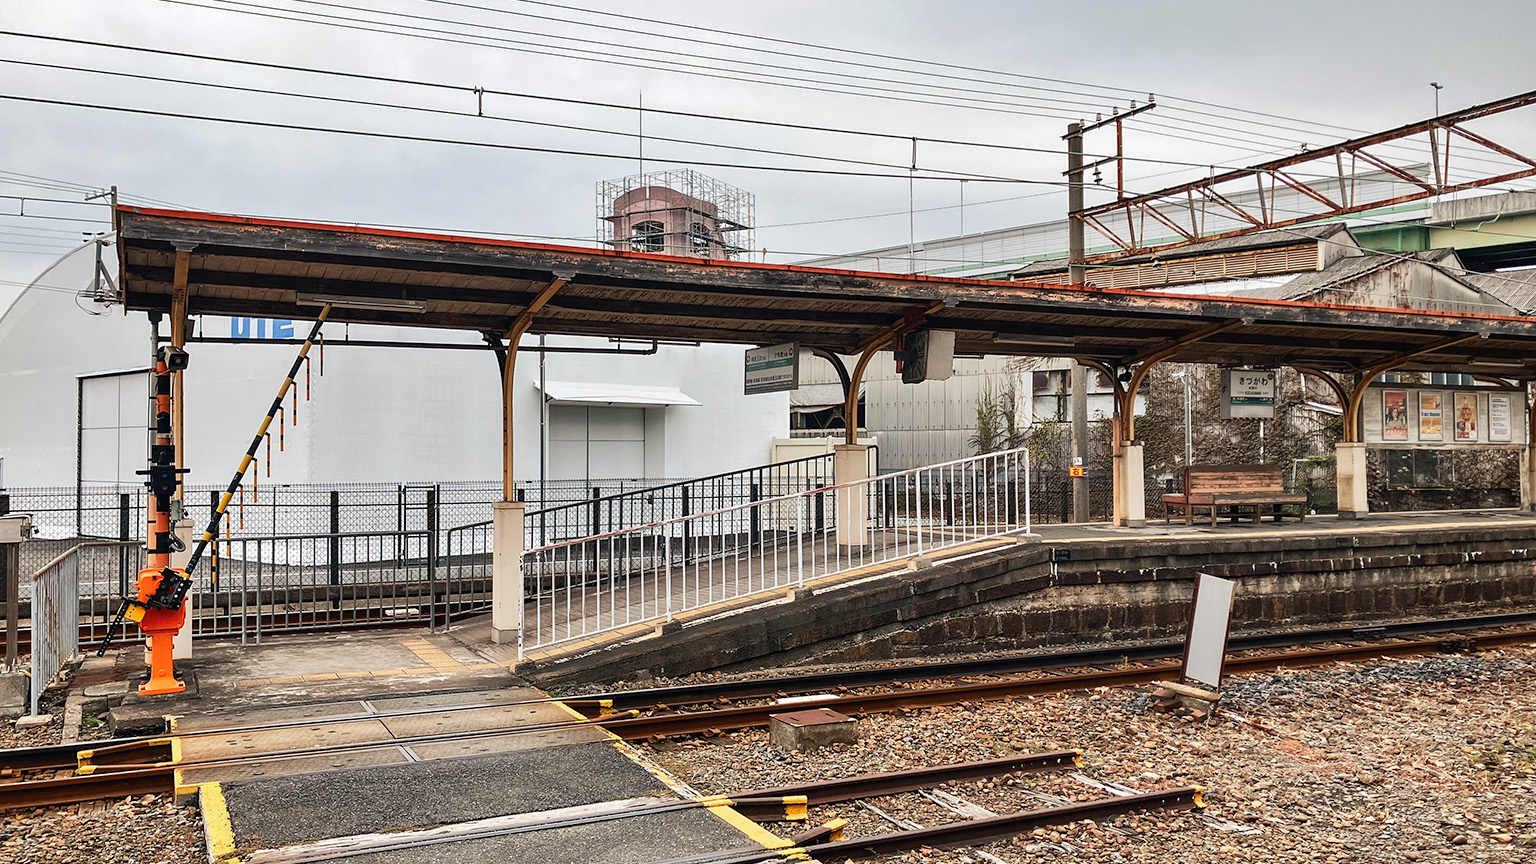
[774,368]
[1248,393]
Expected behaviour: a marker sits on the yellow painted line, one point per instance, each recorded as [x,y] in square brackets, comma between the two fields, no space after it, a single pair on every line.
[419,670]
[216,825]
[381,673]
[353,674]
[757,833]
[292,679]
[324,676]
[250,682]
[716,804]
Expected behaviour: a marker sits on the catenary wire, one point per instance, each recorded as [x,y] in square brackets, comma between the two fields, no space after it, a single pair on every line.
[1145,121]
[469,90]
[636,63]
[465,114]
[395,136]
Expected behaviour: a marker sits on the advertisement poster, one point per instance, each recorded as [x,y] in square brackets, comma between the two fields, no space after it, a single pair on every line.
[1499,417]
[1429,416]
[1466,416]
[1394,415]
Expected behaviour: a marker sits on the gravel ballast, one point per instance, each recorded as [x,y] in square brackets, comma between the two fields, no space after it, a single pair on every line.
[1429,758]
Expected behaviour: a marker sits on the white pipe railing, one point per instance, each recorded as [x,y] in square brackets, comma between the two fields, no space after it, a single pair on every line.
[652,572]
[55,614]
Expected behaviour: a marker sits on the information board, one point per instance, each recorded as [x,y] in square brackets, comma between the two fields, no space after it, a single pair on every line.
[772,369]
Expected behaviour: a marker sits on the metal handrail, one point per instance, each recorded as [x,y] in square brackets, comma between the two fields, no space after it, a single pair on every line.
[76,548]
[652,490]
[774,500]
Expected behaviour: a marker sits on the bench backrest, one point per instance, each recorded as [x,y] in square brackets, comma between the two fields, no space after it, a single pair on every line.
[1205,479]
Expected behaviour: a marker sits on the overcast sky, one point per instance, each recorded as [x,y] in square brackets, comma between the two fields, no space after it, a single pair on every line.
[1318,72]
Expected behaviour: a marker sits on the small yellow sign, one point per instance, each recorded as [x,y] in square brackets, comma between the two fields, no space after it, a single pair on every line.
[1076,471]
[136,614]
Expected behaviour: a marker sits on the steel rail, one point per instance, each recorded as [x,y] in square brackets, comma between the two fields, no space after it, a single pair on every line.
[765,805]
[634,728]
[67,756]
[156,780]
[968,833]
[821,792]
[662,725]
[761,687]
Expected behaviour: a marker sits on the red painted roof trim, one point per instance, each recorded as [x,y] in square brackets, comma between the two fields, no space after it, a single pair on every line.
[788,268]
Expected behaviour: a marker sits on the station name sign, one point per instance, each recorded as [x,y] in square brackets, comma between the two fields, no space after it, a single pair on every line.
[773,369]
[1248,393]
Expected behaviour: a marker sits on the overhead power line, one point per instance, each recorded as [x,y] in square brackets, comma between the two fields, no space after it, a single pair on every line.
[395,136]
[606,57]
[471,92]
[468,114]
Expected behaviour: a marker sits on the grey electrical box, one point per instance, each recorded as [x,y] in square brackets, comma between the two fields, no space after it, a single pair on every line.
[14,529]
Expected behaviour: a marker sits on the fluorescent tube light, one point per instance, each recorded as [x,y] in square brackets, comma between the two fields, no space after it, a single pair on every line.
[342,301]
[1033,339]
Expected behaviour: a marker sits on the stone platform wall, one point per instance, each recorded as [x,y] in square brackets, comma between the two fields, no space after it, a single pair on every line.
[1105,591]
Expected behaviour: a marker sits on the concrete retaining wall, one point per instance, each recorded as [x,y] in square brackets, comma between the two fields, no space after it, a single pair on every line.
[1017,598]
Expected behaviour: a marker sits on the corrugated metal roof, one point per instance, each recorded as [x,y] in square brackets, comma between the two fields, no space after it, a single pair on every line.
[1515,287]
[1248,242]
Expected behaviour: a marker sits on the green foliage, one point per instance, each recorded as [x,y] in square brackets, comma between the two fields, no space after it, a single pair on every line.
[997,422]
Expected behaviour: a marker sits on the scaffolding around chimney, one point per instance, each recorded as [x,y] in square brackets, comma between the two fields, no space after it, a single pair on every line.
[678,212]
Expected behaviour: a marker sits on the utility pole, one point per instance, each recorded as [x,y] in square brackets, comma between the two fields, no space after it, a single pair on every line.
[1075,275]
[1077,272]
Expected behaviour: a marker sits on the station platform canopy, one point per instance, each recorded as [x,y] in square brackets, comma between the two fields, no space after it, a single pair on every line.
[242,266]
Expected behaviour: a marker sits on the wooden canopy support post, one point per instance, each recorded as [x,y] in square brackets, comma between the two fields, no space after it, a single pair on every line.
[911,320]
[507,514]
[1350,462]
[1333,384]
[838,366]
[179,273]
[520,325]
[1130,478]
[1528,455]
[1366,377]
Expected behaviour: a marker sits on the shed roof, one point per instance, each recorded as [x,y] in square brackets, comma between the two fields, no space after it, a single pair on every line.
[268,268]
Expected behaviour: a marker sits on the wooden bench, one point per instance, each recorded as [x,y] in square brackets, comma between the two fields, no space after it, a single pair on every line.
[1234,490]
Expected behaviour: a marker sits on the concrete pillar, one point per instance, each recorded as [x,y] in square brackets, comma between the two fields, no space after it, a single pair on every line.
[1528,478]
[1131,483]
[506,571]
[181,645]
[1352,479]
[850,464]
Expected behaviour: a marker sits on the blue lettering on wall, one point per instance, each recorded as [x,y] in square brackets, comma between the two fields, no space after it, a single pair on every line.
[241,328]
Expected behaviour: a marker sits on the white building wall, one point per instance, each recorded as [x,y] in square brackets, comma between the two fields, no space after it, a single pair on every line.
[376,415]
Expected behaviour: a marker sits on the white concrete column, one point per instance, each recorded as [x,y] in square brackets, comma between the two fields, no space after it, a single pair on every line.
[850,464]
[506,570]
[1352,479]
[1131,483]
[181,644]
[1528,478]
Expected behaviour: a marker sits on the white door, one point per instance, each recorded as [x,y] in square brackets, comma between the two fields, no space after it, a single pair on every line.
[596,442]
[114,424]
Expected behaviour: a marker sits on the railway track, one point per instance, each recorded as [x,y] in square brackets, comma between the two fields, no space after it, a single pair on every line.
[148,765]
